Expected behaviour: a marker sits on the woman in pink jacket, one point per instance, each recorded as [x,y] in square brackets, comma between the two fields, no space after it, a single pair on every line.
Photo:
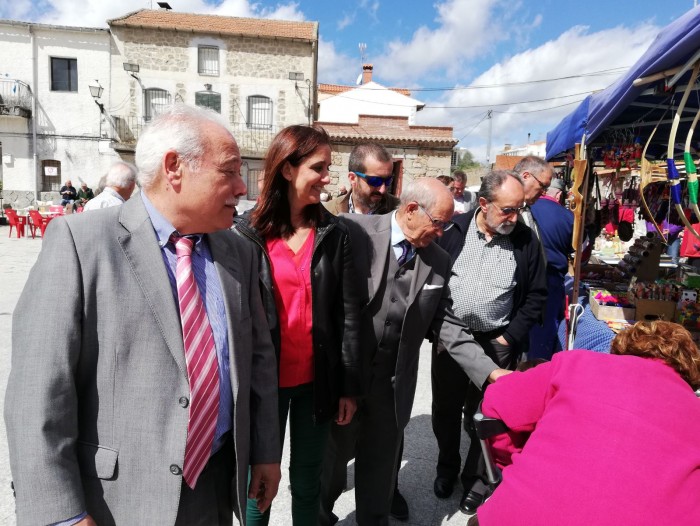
[604,439]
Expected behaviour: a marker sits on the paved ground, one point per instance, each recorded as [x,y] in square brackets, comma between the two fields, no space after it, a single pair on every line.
[417,471]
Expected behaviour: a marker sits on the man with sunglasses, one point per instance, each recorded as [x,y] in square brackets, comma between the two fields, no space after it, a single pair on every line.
[402,276]
[371,176]
[536,174]
[498,290]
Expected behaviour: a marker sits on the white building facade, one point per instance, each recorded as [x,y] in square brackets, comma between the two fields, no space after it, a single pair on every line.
[259,74]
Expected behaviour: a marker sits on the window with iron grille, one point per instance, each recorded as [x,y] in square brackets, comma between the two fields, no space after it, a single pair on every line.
[208,99]
[252,183]
[64,74]
[208,61]
[155,101]
[259,112]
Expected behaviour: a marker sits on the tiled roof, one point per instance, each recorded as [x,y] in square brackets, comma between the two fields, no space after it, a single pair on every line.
[225,25]
[390,130]
[335,89]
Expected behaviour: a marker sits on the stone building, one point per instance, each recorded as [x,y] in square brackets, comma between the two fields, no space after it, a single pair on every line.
[258,73]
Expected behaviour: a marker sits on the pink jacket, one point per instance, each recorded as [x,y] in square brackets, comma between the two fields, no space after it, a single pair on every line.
[613,440]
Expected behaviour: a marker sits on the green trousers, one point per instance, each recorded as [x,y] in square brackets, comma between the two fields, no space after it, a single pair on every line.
[307,446]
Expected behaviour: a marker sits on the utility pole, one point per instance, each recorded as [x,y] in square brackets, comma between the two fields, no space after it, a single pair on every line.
[488,144]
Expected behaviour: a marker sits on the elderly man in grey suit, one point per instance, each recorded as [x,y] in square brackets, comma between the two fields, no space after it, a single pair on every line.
[147,394]
[404,277]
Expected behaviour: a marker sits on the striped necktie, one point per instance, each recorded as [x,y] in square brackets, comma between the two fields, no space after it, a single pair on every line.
[202,365]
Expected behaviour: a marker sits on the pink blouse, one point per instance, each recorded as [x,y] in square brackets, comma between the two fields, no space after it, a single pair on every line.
[291,275]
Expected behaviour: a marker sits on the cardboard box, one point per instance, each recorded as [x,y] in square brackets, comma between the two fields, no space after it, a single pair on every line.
[647,310]
[605,313]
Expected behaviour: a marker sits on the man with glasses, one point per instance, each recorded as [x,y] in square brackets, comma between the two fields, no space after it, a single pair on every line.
[536,174]
[403,279]
[498,289]
[371,176]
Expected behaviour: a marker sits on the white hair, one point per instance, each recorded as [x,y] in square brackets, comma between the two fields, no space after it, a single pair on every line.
[121,175]
[178,129]
[419,191]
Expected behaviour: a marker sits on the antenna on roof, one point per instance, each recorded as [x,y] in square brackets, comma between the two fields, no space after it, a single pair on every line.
[363,47]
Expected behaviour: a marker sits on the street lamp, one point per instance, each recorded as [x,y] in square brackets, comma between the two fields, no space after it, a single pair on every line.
[96,91]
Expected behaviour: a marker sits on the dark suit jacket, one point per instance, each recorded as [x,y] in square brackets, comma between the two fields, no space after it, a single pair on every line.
[93,407]
[429,308]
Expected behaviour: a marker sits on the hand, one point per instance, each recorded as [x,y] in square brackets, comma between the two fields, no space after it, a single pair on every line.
[87,521]
[346,409]
[497,373]
[502,340]
[264,482]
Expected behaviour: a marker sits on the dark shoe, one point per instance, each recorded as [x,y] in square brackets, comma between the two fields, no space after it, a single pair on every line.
[471,500]
[399,507]
[443,487]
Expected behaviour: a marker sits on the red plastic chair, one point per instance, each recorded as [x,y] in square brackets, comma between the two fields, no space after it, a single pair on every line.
[38,222]
[56,209]
[17,222]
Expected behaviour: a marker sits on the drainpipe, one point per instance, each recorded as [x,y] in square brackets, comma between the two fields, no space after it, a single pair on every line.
[35,81]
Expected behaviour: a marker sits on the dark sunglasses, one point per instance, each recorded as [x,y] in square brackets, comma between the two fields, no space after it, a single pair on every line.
[509,210]
[375,180]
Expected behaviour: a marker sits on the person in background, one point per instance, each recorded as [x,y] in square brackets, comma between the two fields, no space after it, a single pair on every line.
[312,306]
[120,182]
[84,194]
[125,417]
[556,228]
[536,174]
[465,200]
[68,193]
[618,432]
[370,172]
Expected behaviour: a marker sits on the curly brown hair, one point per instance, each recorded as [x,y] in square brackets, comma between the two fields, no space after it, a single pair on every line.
[665,341]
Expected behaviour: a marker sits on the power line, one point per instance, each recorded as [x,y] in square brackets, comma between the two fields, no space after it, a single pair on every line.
[602,72]
[510,103]
[542,109]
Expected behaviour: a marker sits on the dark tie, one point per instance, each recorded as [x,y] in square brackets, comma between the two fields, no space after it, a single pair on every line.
[405,251]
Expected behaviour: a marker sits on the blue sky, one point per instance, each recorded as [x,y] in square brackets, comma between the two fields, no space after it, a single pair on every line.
[461,57]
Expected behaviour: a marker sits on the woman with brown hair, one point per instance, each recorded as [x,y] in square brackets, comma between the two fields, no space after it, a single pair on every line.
[312,310]
[603,439]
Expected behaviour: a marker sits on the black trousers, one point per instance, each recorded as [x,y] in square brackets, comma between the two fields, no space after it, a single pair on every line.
[455,398]
[213,500]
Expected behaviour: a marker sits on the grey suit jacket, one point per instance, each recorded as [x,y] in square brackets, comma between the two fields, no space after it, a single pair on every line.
[429,308]
[93,412]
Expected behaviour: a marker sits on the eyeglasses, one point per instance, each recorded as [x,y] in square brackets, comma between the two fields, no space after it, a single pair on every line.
[375,180]
[544,187]
[509,210]
[442,225]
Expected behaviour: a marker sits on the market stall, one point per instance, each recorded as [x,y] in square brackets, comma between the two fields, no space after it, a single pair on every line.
[632,146]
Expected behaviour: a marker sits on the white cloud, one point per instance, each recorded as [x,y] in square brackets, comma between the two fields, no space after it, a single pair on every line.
[348,18]
[95,13]
[464,29]
[574,52]
[335,67]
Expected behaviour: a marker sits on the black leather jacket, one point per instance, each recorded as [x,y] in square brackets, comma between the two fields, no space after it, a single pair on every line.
[335,307]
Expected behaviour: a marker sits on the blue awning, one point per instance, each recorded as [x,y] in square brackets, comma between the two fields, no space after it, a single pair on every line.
[675,45]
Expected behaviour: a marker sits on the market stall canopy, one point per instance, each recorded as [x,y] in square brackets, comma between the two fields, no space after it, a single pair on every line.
[638,107]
